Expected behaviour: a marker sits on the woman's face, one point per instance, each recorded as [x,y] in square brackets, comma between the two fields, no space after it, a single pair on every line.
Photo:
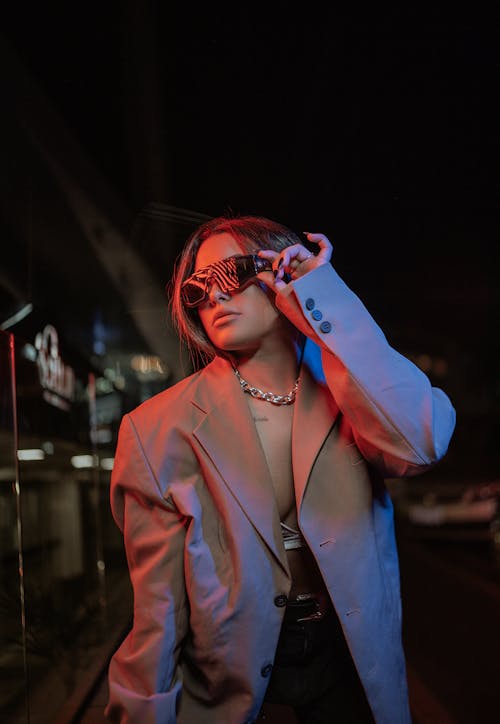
[237,321]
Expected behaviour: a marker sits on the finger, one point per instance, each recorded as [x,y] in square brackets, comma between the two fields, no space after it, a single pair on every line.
[268,254]
[265,276]
[270,282]
[325,246]
[270,278]
[295,254]
[290,259]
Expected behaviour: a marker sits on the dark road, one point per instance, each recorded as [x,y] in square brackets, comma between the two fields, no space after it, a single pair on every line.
[451,604]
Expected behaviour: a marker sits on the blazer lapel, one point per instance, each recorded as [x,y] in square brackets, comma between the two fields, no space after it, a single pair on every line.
[227,434]
[314,416]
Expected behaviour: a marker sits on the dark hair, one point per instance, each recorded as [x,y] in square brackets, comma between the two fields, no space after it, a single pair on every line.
[251,233]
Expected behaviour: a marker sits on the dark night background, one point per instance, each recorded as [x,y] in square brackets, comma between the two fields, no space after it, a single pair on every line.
[378,128]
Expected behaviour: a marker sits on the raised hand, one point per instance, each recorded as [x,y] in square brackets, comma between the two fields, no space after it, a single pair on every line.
[297,260]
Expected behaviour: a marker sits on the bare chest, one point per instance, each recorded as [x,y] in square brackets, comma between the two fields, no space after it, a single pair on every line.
[274,427]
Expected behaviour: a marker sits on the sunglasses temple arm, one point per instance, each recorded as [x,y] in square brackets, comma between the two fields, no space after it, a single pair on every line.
[261,264]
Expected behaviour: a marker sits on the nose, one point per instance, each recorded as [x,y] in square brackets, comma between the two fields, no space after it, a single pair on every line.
[215,294]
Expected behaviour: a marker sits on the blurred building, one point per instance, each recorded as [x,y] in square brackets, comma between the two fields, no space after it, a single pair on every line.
[84,337]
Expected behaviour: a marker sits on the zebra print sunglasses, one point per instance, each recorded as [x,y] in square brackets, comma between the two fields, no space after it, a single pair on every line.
[231,275]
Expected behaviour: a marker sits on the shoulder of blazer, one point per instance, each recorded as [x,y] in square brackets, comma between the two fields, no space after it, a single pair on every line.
[192,388]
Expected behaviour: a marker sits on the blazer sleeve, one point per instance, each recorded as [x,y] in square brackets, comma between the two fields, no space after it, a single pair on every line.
[400,422]
[144,680]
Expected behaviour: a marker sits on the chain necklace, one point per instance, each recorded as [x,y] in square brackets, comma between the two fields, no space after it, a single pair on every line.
[287,399]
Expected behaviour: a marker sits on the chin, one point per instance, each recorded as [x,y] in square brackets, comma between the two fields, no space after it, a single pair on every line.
[225,344]
[233,345]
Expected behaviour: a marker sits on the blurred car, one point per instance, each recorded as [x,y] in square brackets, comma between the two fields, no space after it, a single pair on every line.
[454,513]
[476,504]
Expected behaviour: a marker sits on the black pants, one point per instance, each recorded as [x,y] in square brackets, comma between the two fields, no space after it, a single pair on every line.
[314,674]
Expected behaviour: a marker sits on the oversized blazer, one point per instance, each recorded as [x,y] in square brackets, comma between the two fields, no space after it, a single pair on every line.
[192,493]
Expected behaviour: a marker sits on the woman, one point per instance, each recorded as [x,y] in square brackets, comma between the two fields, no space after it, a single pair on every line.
[258,529]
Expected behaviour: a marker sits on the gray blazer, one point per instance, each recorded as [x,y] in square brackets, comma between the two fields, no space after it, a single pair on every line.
[192,493]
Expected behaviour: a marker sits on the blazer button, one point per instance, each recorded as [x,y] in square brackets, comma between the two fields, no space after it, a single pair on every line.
[325,327]
[266,670]
[317,315]
[310,303]
[280,600]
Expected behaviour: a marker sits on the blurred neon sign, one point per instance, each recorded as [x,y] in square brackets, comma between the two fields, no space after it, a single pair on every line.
[56,378]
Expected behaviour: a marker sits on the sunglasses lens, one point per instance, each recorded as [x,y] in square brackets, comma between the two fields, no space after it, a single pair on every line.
[230,274]
[247,267]
[192,294]
[244,270]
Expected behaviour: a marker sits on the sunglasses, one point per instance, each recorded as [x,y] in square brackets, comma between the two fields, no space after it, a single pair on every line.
[230,274]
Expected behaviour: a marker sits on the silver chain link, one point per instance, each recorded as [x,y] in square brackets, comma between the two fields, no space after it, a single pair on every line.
[268,396]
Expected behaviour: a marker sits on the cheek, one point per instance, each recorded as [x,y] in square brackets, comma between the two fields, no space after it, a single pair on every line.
[203,314]
[264,303]
[260,295]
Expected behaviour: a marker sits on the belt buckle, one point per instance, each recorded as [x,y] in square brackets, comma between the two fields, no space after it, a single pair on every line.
[315,615]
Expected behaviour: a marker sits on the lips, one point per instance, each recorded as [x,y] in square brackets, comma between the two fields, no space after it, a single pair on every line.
[222,316]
